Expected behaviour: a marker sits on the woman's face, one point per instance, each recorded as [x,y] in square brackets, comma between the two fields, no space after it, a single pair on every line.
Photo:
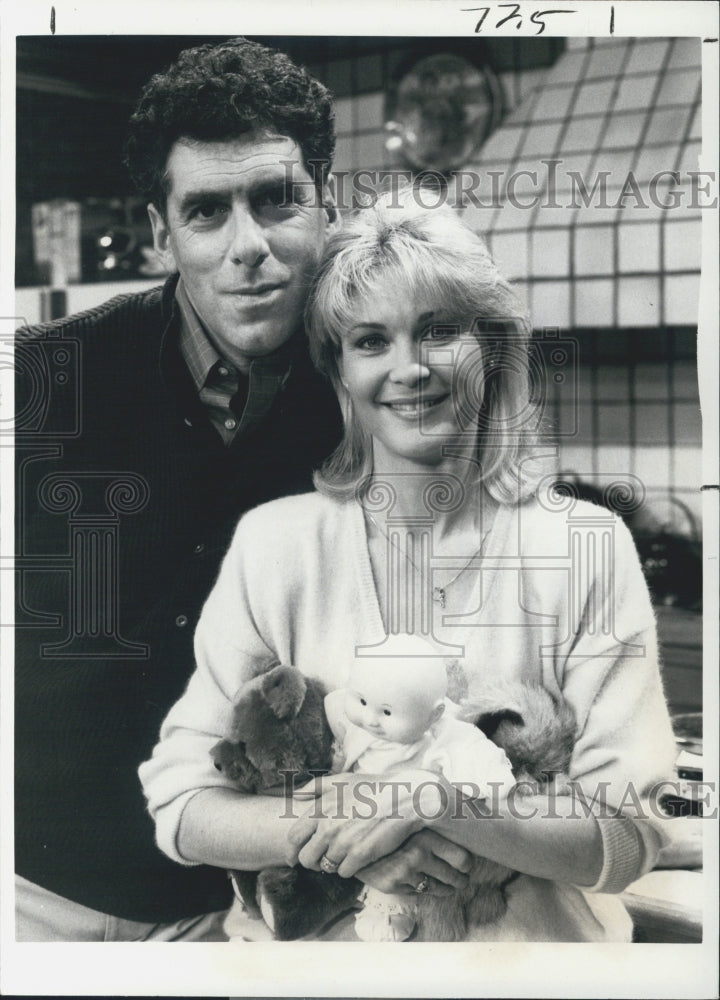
[413,372]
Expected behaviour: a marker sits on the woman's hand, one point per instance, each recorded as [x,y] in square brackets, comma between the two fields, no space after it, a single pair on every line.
[356,819]
[424,856]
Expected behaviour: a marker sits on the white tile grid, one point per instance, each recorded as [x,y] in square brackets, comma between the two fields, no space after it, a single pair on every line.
[681,299]
[688,466]
[614,459]
[682,248]
[510,253]
[639,247]
[607,59]
[569,67]
[581,460]
[690,157]
[635,92]
[594,250]
[647,55]
[612,382]
[639,301]
[593,302]
[550,303]
[550,252]
[680,86]
[573,164]
[502,145]
[624,129]
[685,52]
[667,126]
[508,216]
[696,127]
[652,423]
[523,111]
[594,97]
[652,380]
[688,423]
[581,133]
[530,81]
[553,102]
[542,139]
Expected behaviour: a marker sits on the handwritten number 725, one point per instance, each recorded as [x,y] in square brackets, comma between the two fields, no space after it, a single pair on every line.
[536,17]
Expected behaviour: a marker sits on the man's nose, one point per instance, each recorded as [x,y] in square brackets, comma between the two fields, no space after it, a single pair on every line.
[248,245]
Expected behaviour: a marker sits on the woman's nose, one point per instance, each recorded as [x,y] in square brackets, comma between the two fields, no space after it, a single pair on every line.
[248,245]
[408,366]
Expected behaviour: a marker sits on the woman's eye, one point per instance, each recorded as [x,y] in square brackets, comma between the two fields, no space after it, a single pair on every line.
[374,342]
[363,702]
[442,331]
[386,711]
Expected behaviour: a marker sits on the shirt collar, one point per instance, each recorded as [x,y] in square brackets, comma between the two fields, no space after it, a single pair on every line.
[195,347]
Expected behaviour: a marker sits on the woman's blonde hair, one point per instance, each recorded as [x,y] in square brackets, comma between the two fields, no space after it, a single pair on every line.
[425,250]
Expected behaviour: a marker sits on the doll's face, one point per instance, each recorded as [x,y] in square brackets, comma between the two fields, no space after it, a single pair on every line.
[385,703]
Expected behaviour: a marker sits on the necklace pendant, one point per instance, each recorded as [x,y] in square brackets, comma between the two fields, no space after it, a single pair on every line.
[439,596]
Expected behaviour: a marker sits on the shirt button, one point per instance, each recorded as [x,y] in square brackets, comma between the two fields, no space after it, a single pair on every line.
[222,370]
[231,424]
[181,621]
[200,547]
[188,422]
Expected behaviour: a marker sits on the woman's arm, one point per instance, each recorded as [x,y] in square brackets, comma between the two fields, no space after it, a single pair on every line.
[548,837]
[222,827]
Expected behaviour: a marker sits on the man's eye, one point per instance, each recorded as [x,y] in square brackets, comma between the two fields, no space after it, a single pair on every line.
[363,702]
[386,711]
[283,198]
[210,210]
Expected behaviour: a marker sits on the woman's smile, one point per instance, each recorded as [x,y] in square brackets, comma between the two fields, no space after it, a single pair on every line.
[412,408]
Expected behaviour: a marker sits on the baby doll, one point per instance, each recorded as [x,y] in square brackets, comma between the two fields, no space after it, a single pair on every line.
[392,716]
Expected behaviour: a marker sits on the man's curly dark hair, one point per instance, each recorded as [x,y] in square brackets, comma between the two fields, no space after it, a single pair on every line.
[216,93]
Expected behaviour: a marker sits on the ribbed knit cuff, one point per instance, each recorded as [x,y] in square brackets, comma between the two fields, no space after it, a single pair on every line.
[623,854]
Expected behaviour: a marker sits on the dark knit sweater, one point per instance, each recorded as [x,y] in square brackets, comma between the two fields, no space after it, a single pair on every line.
[126,502]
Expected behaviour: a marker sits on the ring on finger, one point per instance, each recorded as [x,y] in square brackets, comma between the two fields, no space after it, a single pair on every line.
[328,866]
[423,885]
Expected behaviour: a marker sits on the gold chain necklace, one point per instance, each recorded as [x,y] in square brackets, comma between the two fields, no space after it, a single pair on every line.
[439,594]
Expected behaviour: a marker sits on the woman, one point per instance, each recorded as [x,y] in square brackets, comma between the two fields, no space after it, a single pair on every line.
[431,518]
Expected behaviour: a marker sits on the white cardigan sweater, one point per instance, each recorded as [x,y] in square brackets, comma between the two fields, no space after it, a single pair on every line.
[559,599]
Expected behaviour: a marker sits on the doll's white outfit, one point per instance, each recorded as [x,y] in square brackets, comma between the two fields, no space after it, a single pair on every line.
[457,750]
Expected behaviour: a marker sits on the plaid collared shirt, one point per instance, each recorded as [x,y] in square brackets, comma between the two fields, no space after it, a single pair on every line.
[235,401]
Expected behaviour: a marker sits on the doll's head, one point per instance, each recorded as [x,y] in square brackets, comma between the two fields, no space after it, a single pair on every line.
[397,696]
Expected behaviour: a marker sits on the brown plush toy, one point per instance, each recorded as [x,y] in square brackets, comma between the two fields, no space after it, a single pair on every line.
[278,726]
[537,732]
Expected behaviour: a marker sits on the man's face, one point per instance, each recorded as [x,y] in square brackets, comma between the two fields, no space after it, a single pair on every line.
[244,239]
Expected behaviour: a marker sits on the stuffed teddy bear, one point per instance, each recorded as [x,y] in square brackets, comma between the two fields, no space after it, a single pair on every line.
[279,725]
[537,732]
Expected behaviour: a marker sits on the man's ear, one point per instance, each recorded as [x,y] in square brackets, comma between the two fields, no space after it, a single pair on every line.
[329,197]
[161,238]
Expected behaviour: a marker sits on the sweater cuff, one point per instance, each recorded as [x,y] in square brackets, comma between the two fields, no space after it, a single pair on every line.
[623,854]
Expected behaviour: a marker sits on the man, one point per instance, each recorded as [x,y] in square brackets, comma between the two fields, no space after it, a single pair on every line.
[180,408]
